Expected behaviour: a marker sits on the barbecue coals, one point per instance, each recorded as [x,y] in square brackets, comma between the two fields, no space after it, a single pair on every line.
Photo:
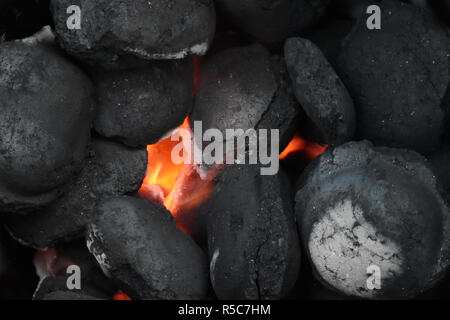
[253,245]
[245,88]
[112,31]
[321,93]
[138,245]
[110,169]
[366,210]
[94,205]
[44,122]
[398,77]
[139,106]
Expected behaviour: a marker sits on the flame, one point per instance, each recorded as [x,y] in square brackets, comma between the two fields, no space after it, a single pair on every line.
[179,187]
[310,150]
[121,296]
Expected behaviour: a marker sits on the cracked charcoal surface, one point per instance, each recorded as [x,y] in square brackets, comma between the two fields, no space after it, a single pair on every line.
[110,170]
[400,78]
[358,205]
[138,245]
[139,106]
[320,92]
[243,88]
[253,243]
[44,122]
[272,21]
[113,31]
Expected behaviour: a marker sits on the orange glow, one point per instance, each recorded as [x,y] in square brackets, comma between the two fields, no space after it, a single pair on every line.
[49,262]
[121,296]
[310,150]
[178,187]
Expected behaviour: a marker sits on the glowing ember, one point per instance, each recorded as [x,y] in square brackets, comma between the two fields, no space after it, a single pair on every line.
[48,262]
[121,296]
[310,150]
[178,187]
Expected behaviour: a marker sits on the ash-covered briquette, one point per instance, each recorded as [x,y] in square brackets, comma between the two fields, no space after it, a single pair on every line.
[272,21]
[363,209]
[45,119]
[320,92]
[111,30]
[138,245]
[139,106]
[245,88]
[398,77]
[110,170]
[55,288]
[253,243]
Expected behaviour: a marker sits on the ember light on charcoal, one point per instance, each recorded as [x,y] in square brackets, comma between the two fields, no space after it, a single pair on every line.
[139,106]
[134,163]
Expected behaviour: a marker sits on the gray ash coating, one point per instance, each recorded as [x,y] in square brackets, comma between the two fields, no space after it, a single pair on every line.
[111,169]
[272,21]
[245,88]
[252,239]
[139,106]
[138,246]
[359,206]
[112,31]
[320,92]
[45,119]
[398,77]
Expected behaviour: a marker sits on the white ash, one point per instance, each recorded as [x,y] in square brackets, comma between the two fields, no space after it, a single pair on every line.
[198,49]
[94,234]
[212,265]
[344,244]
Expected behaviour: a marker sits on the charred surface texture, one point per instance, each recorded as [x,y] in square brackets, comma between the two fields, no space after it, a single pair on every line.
[253,243]
[139,106]
[110,170]
[245,88]
[320,91]
[111,30]
[398,77]
[359,206]
[45,114]
[138,245]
